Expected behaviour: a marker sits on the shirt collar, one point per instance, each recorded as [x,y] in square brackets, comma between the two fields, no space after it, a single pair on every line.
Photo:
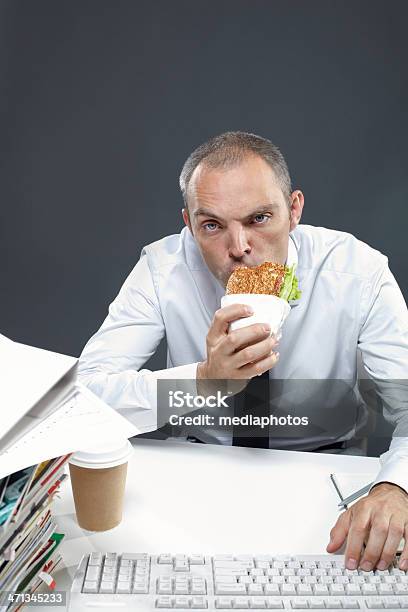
[292,257]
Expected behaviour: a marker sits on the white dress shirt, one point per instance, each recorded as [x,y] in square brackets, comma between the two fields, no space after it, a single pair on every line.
[350,302]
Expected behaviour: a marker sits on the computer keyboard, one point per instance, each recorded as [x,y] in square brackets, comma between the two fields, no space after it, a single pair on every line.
[139,581]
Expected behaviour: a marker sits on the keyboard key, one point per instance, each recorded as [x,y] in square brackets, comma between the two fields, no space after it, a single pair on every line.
[293,579]
[400,589]
[223,602]
[255,589]
[165,559]
[90,587]
[244,579]
[162,588]
[385,589]
[333,603]
[304,589]
[106,587]
[336,589]
[350,603]
[198,589]
[369,589]
[310,579]
[271,589]
[164,602]
[320,589]
[199,602]
[390,602]
[140,588]
[288,589]
[257,602]
[230,589]
[92,573]
[299,604]
[353,589]
[181,565]
[342,580]
[374,603]
[275,604]
[316,603]
[182,602]
[196,559]
[240,602]
[123,586]
[95,558]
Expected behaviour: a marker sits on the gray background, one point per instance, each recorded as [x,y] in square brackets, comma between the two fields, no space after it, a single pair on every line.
[103,101]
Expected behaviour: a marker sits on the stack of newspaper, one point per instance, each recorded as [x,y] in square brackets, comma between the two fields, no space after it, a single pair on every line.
[29,538]
[45,413]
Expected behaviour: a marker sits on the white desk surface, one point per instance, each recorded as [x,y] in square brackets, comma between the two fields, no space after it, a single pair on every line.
[185,497]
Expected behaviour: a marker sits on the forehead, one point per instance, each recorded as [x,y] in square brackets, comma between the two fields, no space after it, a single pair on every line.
[246,184]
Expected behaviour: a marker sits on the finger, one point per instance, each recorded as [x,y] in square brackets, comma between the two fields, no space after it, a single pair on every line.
[376,541]
[403,562]
[224,316]
[258,368]
[395,533]
[339,532]
[252,354]
[240,338]
[359,526]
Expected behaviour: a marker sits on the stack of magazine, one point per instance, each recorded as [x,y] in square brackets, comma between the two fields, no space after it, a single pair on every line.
[29,539]
[45,413]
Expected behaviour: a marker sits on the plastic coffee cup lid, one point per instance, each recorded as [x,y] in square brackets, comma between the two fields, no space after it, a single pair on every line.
[103,455]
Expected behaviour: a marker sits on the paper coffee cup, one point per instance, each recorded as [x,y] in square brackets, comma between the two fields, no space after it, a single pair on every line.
[98,478]
[267,309]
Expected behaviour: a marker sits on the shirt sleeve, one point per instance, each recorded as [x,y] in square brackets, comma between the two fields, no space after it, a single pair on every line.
[383,341]
[111,361]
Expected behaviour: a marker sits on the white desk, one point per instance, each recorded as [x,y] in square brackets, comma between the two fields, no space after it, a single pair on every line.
[184,497]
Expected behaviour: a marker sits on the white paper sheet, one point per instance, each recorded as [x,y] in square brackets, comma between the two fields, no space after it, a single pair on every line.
[71,427]
[26,375]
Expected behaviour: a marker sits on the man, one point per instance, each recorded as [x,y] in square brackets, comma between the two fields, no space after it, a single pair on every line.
[240,210]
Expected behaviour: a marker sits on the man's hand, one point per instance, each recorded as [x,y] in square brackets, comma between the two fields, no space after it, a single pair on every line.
[242,353]
[380,521]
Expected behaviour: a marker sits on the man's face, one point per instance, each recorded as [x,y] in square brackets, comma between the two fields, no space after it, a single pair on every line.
[239,216]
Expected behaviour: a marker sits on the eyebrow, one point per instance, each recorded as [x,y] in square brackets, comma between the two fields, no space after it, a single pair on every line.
[257,211]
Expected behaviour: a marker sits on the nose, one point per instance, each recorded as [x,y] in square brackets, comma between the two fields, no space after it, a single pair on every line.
[239,245]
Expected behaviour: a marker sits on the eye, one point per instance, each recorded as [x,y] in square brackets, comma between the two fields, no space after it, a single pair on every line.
[210,227]
[259,219]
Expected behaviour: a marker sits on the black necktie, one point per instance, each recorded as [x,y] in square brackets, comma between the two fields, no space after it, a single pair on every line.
[253,400]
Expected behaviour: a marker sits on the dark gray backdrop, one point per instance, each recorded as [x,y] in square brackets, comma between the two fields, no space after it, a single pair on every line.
[102,102]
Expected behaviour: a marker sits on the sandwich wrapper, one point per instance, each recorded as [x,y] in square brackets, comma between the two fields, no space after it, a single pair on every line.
[267,309]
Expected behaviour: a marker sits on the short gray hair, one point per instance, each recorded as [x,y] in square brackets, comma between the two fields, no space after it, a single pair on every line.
[230,149]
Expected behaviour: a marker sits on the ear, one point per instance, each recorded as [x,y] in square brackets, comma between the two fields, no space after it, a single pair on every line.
[186,218]
[296,208]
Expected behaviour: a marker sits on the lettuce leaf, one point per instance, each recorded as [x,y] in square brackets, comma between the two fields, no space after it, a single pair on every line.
[290,289]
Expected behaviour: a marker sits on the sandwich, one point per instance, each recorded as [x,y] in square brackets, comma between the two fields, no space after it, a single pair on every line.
[268,278]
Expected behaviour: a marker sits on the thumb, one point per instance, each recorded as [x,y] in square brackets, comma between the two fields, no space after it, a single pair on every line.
[339,532]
